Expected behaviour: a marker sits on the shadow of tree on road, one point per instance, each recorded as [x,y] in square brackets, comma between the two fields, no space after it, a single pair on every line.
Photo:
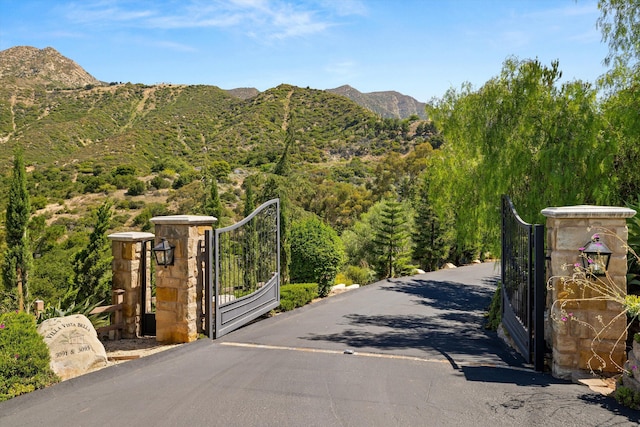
[453,326]
[446,295]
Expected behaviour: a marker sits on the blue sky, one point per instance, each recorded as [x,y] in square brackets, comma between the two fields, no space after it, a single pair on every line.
[418,47]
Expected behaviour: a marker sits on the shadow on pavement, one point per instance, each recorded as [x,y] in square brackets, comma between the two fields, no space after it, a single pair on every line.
[453,324]
[449,296]
[509,376]
[610,404]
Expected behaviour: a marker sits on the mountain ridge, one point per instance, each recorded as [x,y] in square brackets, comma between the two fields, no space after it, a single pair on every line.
[26,65]
[61,114]
[388,104]
[29,66]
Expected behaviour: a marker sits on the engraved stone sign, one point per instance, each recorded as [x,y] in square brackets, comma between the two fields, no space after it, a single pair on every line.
[73,345]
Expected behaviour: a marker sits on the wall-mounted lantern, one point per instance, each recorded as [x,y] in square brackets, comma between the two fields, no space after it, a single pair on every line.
[163,252]
[595,256]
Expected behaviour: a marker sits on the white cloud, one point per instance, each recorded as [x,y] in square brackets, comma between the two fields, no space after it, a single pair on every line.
[266,19]
[103,12]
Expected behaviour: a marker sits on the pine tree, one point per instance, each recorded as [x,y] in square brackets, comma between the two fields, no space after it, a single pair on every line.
[92,265]
[18,258]
[430,235]
[390,240]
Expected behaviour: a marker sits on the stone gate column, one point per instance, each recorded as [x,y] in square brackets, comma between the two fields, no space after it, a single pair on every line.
[127,275]
[568,229]
[179,286]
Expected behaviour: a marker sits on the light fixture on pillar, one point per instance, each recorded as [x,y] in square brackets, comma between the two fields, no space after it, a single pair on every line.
[595,256]
[163,252]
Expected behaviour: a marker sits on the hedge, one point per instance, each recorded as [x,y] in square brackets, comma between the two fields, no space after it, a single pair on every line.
[24,356]
[297,295]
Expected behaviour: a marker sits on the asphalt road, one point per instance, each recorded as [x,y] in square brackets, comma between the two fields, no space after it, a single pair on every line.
[407,352]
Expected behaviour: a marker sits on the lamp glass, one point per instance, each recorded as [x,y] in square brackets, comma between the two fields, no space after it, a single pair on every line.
[163,252]
[595,256]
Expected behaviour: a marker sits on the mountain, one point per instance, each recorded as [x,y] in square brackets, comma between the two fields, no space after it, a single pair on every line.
[388,104]
[243,92]
[28,66]
[61,115]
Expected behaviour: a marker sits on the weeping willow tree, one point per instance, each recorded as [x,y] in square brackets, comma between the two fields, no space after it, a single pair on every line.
[619,23]
[521,134]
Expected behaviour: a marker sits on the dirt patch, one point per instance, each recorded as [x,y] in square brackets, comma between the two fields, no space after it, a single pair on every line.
[123,350]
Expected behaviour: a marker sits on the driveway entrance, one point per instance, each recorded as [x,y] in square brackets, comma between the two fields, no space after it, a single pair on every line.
[407,352]
[436,316]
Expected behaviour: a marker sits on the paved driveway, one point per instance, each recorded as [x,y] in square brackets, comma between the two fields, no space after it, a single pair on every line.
[437,316]
[407,352]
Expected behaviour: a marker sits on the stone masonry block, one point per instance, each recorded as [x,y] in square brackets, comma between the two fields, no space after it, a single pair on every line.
[165,317]
[607,362]
[565,360]
[129,250]
[579,330]
[166,294]
[565,344]
[572,238]
[121,265]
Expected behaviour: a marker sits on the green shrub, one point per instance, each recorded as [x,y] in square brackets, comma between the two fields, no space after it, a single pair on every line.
[24,356]
[297,295]
[342,278]
[316,253]
[159,183]
[627,397]
[360,275]
[136,188]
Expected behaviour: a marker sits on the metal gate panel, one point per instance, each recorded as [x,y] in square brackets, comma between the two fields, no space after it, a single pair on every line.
[523,287]
[147,287]
[244,265]
[240,312]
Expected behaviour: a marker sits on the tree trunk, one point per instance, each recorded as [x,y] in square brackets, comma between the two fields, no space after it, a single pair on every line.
[20,293]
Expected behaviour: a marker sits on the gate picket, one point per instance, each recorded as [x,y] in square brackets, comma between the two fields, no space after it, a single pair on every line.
[242,270]
[523,283]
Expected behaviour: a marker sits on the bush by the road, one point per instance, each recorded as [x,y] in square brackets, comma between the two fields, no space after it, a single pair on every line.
[24,356]
[297,295]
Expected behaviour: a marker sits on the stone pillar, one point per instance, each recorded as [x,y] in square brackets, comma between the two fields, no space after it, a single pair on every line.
[127,275]
[179,286]
[568,229]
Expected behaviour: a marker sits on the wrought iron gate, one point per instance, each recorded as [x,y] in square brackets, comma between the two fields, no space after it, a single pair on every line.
[523,284]
[147,293]
[242,270]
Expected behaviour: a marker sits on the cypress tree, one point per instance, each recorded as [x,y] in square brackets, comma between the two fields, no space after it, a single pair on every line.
[274,188]
[249,202]
[92,265]
[213,206]
[250,242]
[17,261]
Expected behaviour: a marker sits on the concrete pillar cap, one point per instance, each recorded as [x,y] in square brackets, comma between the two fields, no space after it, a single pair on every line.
[132,236]
[184,220]
[588,211]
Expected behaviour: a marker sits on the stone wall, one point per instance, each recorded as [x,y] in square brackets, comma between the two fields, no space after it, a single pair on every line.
[179,287]
[127,275]
[572,342]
